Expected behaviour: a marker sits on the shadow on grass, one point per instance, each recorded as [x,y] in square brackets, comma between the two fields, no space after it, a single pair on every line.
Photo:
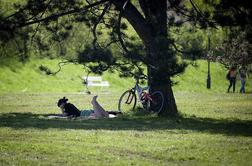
[40,121]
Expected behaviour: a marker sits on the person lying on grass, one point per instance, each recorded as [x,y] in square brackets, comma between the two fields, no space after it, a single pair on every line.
[69,110]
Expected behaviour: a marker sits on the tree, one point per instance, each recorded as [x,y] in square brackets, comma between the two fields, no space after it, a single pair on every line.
[237,51]
[235,17]
[150,19]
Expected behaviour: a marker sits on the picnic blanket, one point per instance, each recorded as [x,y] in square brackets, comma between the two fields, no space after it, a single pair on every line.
[59,116]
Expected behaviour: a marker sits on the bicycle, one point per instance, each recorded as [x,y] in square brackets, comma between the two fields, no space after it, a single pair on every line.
[127,101]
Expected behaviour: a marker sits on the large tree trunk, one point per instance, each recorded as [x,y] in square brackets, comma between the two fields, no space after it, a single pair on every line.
[158,78]
[152,29]
[163,84]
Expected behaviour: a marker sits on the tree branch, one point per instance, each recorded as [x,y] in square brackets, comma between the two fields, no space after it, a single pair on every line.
[56,16]
[63,62]
[36,30]
[118,31]
[106,8]
[201,14]
[144,8]
[178,50]
[136,19]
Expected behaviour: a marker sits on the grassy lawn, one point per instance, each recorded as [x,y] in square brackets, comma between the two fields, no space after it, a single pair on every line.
[214,129]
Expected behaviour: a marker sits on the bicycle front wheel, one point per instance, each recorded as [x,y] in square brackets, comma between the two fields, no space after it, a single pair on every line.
[157,101]
[127,101]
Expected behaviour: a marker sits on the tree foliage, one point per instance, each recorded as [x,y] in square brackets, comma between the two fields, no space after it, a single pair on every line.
[235,16]
[237,50]
[53,22]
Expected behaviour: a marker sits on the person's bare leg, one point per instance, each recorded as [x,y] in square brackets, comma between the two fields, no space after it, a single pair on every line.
[99,111]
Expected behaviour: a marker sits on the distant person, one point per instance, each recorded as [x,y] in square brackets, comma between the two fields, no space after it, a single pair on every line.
[242,76]
[69,110]
[232,78]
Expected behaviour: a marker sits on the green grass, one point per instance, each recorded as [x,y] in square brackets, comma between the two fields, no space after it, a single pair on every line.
[195,77]
[18,77]
[214,129]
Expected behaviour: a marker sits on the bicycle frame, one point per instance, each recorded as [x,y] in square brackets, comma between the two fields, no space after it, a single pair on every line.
[140,90]
[142,94]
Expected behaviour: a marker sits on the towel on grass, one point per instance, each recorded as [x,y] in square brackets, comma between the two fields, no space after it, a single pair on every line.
[59,116]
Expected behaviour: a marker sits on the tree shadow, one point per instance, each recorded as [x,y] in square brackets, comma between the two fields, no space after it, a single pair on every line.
[40,121]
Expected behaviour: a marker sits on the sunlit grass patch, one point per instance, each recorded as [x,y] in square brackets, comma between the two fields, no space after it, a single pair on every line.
[213,129]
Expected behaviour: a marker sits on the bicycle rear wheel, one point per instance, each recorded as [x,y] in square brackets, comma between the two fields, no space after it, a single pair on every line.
[127,101]
[157,102]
